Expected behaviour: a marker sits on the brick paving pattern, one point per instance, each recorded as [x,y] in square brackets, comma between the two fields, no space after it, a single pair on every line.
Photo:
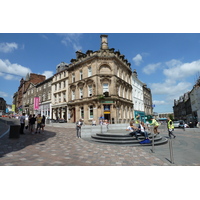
[60,147]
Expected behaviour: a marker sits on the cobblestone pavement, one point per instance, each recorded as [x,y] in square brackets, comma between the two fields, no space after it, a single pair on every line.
[59,146]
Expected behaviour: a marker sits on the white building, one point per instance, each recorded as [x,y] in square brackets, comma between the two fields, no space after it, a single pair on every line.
[137,96]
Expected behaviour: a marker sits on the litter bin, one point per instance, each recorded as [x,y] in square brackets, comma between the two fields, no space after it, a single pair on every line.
[48,121]
[14,131]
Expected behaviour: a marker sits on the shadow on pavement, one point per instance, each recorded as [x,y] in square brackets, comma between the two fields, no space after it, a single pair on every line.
[8,145]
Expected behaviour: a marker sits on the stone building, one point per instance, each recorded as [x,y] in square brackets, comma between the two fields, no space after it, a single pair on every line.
[2,105]
[24,84]
[100,84]
[148,103]
[60,92]
[42,91]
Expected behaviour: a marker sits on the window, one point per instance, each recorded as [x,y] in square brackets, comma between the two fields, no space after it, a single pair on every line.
[59,98]
[63,84]
[73,78]
[89,71]
[81,75]
[49,95]
[81,93]
[73,94]
[59,86]
[91,112]
[64,96]
[44,86]
[105,87]
[55,98]
[55,87]
[82,112]
[43,97]
[89,90]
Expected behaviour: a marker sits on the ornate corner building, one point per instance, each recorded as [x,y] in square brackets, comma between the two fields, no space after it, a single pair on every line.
[99,84]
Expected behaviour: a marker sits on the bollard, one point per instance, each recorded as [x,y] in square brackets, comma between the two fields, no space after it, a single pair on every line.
[152,139]
[14,131]
[153,143]
[101,128]
[171,151]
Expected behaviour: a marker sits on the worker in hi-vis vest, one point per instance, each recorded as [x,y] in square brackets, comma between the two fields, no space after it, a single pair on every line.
[170,126]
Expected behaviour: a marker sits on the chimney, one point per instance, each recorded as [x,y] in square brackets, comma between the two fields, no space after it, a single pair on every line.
[104,42]
[135,73]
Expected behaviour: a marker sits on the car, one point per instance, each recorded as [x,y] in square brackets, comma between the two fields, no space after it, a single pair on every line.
[178,124]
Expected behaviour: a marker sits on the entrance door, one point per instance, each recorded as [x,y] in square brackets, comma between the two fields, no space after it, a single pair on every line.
[107,116]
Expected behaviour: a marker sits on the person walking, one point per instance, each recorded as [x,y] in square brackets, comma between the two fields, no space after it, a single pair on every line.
[39,122]
[32,124]
[78,128]
[170,126]
[43,123]
[22,123]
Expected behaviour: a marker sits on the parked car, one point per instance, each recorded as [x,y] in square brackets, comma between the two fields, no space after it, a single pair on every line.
[179,124]
[176,124]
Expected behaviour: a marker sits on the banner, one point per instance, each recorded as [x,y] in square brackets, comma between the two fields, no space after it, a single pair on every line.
[13,108]
[36,103]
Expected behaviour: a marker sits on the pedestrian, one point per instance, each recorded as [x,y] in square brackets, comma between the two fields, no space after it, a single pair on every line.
[22,123]
[32,124]
[170,126]
[101,119]
[94,122]
[78,128]
[39,122]
[155,124]
[29,124]
[43,123]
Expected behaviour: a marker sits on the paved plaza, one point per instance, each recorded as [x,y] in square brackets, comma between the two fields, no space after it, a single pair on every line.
[59,146]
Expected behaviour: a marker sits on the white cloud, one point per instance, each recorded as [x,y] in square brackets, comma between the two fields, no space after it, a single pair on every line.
[72,39]
[3,94]
[151,68]
[172,90]
[137,59]
[8,47]
[7,69]
[178,70]
[157,102]
[48,74]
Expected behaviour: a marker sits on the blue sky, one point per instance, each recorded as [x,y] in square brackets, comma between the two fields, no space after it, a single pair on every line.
[168,63]
[160,39]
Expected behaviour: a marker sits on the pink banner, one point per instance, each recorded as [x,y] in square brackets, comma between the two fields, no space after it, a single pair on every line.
[36,103]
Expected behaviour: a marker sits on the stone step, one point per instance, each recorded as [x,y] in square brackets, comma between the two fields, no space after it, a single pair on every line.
[125,139]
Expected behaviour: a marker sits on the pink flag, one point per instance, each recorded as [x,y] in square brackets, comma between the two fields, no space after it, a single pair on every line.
[36,103]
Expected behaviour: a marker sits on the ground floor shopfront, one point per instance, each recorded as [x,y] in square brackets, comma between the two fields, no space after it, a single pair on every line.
[111,110]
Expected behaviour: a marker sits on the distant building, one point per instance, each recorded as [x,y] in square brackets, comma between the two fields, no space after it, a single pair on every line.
[2,106]
[24,84]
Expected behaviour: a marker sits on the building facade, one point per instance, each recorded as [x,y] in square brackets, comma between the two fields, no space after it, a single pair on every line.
[2,106]
[24,84]
[148,103]
[100,85]
[138,97]
[60,93]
